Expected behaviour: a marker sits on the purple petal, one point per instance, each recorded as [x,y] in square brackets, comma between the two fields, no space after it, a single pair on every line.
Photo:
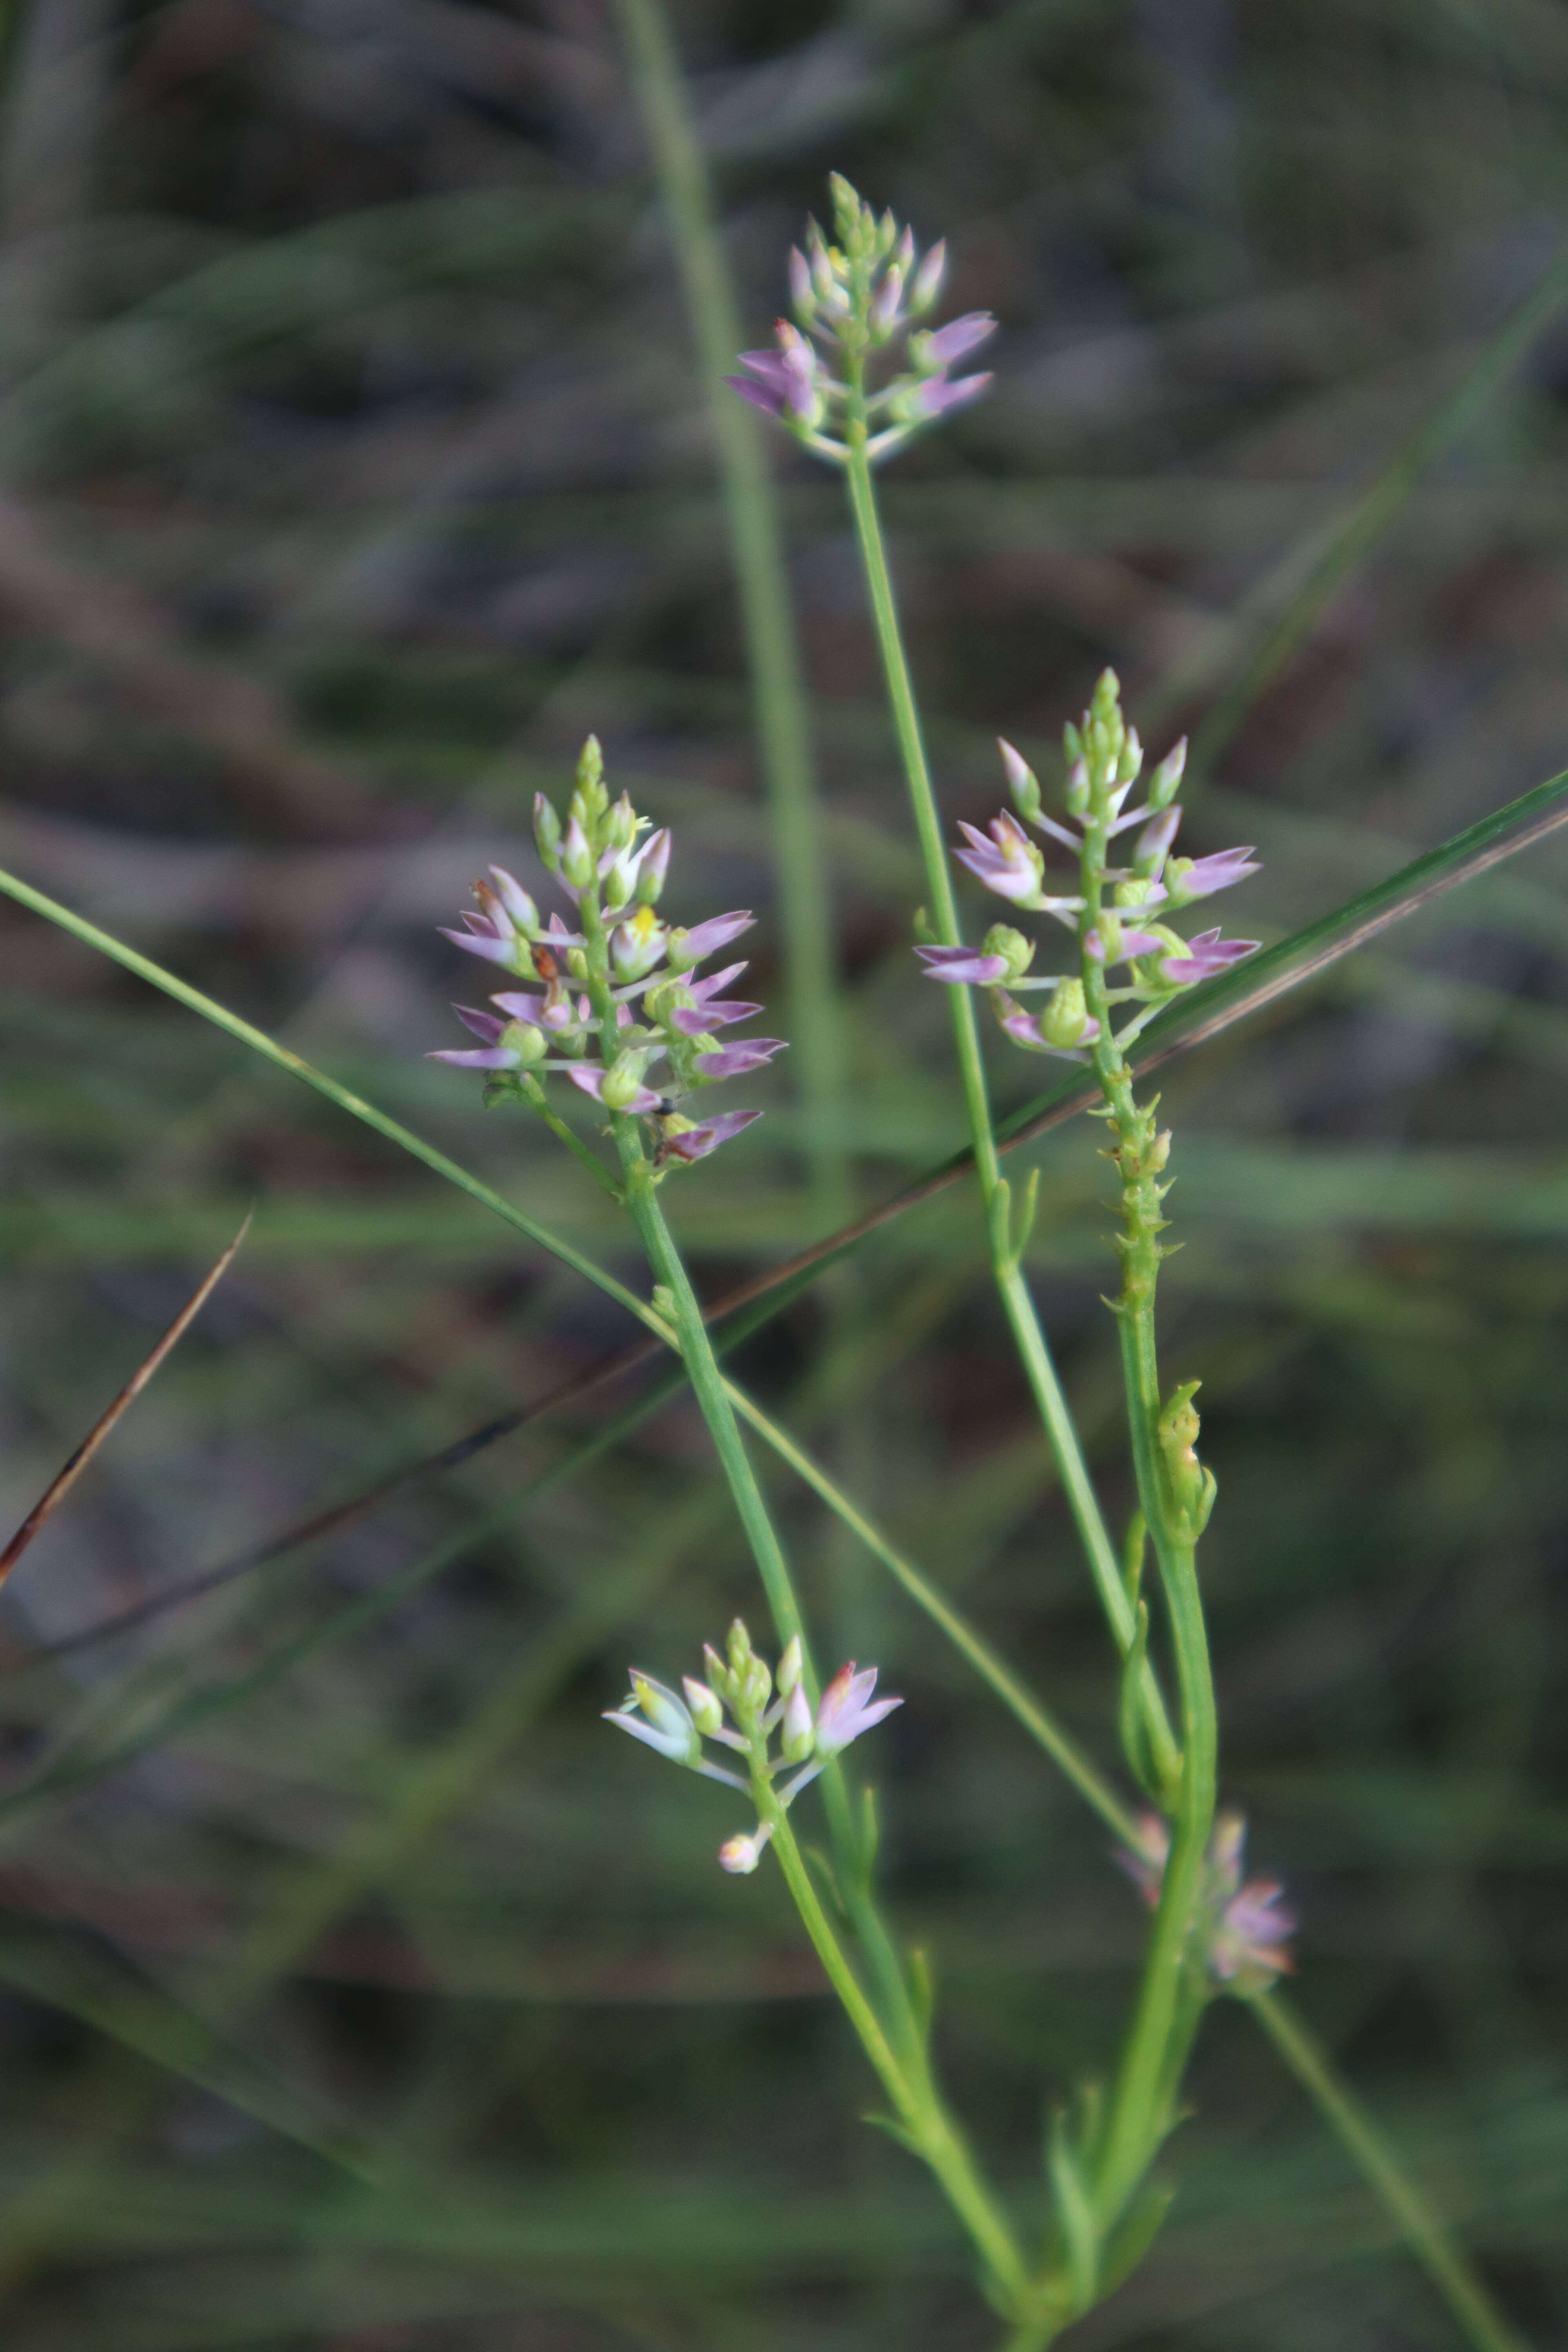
[518,1008]
[699,1141]
[1206,957]
[962,965]
[590,1077]
[494,951]
[1217,873]
[960,337]
[769,403]
[485,1057]
[515,898]
[1008,881]
[703,989]
[696,1020]
[771,367]
[483,1025]
[939,397]
[704,939]
[733,1061]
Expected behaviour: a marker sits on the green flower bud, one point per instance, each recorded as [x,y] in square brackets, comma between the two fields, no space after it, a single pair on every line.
[1002,940]
[706,1712]
[591,778]
[528,1043]
[1066,1017]
[546,833]
[1166,780]
[622,1083]
[790,1667]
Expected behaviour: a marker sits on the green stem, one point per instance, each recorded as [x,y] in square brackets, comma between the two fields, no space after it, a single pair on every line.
[1452,2276]
[784,738]
[1029,1338]
[1146,2083]
[921,2118]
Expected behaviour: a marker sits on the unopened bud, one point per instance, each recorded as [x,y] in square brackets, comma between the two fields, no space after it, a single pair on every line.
[655,865]
[622,1083]
[1166,780]
[799,1731]
[522,1038]
[758,1682]
[1077,792]
[738,1642]
[1065,1017]
[577,856]
[790,1667]
[1154,843]
[706,1712]
[1002,940]
[802,293]
[1022,780]
[740,1855]
[591,775]
[885,304]
[621,829]
[547,832]
[1130,759]
[928,279]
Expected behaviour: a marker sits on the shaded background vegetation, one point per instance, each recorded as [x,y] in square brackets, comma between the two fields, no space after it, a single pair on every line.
[353,466]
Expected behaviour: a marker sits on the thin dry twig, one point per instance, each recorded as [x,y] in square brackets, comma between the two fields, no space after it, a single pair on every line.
[54,1495]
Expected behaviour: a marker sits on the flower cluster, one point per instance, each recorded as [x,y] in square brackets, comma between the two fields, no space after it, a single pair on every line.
[859,303]
[1244,1926]
[616,996]
[759,1705]
[1116,912]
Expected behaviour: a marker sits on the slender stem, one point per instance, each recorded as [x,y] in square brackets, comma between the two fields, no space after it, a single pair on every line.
[924,2123]
[1455,2281]
[1141,2101]
[942,913]
[783,736]
[538,1100]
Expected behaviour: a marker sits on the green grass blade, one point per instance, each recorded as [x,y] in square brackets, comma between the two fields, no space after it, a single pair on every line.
[357,1107]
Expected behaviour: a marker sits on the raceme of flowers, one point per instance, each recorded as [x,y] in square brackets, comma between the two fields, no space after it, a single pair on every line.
[616,998]
[858,303]
[1119,913]
[759,1704]
[1244,1926]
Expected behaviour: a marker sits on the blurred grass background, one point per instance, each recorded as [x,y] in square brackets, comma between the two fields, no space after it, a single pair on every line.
[355,466]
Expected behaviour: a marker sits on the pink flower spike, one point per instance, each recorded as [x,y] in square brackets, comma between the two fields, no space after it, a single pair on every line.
[1207,956]
[962,966]
[696,1020]
[845,1709]
[590,1077]
[696,1142]
[734,1061]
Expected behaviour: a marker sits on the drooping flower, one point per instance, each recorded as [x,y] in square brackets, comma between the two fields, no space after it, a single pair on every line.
[664,1723]
[690,1140]
[1245,1927]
